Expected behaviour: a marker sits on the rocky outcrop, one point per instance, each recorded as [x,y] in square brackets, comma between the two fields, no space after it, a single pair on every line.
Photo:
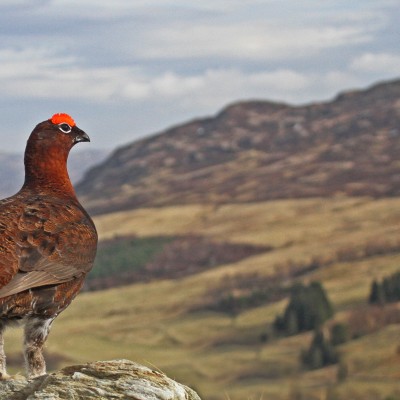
[116,379]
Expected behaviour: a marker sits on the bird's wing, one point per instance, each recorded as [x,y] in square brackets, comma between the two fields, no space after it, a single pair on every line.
[47,242]
[28,280]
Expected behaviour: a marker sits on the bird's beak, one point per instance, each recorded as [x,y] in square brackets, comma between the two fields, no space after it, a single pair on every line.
[81,136]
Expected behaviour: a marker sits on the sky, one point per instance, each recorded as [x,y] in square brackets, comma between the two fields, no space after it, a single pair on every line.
[125,69]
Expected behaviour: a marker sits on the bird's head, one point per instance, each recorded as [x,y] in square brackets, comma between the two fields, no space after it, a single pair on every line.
[47,152]
[61,129]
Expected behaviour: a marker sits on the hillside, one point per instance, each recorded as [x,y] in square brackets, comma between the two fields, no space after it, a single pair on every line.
[256,151]
[229,213]
[171,325]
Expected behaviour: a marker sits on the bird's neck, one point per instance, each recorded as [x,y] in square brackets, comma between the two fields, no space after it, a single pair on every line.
[46,170]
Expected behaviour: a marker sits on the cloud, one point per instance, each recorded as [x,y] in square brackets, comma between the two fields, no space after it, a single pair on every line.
[383,63]
[54,76]
[257,41]
[51,75]
[214,88]
[221,86]
[160,30]
[150,63]
[19,4]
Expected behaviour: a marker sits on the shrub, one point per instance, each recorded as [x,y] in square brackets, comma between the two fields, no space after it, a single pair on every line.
[339,334]
[342,372]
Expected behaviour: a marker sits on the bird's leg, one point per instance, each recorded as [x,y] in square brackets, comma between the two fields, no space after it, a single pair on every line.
[36,332]
[3,372]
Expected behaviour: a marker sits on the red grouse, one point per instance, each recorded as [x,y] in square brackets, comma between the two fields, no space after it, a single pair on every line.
[47,241]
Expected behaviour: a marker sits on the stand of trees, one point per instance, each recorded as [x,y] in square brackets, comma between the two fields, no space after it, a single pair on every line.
[308,308]
[323,351]
[386,291]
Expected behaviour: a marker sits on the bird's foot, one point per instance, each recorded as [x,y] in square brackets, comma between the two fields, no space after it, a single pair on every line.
[16,377]
[4,376]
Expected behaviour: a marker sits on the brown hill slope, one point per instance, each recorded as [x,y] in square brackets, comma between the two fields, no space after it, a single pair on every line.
[259,150]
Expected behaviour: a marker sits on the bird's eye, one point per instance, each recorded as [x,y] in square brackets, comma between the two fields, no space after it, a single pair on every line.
[64,128]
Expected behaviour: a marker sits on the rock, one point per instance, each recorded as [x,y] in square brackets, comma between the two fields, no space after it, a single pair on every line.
[116,379]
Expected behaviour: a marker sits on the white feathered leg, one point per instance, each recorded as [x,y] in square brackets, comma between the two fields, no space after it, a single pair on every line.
[36,332]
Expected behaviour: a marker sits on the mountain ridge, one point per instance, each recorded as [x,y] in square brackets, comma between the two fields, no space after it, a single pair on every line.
[259,150]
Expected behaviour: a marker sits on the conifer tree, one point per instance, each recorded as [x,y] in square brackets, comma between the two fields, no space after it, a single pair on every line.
[320,353]
[308,309]
[377,295]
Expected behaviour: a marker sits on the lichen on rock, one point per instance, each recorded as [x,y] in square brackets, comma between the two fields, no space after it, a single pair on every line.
[116,379]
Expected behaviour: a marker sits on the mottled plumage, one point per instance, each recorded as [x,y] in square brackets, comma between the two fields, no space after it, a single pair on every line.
[47,240]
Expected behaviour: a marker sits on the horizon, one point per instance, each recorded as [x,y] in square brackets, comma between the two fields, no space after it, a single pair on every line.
[109,150]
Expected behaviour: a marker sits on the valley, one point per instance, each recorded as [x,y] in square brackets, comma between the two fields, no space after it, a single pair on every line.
[222,355]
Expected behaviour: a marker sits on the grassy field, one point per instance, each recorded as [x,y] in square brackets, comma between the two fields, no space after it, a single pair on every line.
[354,240]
